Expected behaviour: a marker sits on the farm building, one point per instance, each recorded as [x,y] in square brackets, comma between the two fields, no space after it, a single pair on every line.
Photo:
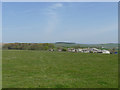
[105,51]
[59,50]
[51,49]
[85,50]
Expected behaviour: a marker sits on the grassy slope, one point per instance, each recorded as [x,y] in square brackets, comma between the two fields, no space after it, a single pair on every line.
[35,69]
[108,45]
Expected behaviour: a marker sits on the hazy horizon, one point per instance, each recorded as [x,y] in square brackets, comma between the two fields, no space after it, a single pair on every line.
[50,22]
[62,42]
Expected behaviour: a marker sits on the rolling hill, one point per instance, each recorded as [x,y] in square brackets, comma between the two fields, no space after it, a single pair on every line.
[67,44]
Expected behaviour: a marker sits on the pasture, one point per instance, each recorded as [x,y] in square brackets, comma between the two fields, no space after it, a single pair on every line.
[43,69]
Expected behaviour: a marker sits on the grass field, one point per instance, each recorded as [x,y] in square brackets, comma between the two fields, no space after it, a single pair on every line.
[43,69]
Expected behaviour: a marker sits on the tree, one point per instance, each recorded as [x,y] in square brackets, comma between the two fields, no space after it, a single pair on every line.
[64,49]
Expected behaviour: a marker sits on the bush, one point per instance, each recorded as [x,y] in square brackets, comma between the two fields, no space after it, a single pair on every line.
[28,46]
[64,49]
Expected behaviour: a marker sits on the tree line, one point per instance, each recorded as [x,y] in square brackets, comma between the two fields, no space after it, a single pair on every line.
[28,46]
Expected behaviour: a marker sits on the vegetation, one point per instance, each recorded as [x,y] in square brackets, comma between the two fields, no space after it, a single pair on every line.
[28,46]
[58,45]
[44,69]
[106,46]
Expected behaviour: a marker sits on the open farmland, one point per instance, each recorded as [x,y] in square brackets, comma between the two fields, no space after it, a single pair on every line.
[43,69]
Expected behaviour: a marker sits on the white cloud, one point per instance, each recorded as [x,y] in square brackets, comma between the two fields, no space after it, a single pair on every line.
[53,18]
[57,5]
[54,8]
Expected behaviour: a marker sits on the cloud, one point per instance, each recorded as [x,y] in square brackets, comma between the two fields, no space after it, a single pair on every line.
[53,8]
[53,18]
[57,5]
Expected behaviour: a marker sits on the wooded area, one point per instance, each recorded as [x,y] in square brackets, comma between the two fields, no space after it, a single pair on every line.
[28,46]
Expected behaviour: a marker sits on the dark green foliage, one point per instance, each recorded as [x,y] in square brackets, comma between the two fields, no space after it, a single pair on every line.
[28,46]
[64,49]
[65,43]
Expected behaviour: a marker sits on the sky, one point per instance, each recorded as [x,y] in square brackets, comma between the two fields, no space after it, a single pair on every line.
[49,22]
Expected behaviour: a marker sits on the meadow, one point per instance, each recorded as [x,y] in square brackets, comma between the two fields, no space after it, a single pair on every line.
[44,69]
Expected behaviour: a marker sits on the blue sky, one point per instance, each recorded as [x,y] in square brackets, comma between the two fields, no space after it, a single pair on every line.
[80,22]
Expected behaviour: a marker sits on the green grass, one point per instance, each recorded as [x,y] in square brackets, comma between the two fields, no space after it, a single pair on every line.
[43,69]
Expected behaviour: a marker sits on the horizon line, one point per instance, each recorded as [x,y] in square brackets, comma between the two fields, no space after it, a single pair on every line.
[63,42]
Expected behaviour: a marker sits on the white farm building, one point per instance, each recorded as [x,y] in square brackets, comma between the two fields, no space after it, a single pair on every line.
[105,51]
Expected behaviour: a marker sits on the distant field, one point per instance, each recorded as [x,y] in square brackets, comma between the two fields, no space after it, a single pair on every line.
[43,69]
[108,45]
